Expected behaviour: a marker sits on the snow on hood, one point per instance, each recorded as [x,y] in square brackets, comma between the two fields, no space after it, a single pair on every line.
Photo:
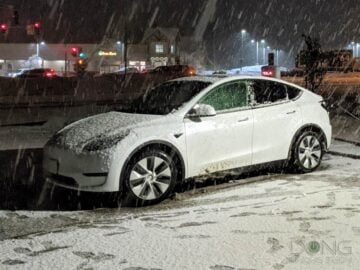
[99,127]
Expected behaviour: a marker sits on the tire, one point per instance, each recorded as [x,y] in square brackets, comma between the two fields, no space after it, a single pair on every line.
[150,177]
[307,152]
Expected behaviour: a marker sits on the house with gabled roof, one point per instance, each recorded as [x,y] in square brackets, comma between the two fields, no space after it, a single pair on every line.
[162,46]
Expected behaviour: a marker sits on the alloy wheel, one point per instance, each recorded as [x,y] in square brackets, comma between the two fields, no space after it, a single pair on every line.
[150,178]
[310,152]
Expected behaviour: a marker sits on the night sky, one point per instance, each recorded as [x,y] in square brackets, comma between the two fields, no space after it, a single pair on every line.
[280,22]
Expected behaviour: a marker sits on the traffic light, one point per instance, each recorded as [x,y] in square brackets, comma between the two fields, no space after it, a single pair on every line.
[15,17]
[76,51]
[80,66]
[271,60]
[37,28]
[83,55]
[3,28]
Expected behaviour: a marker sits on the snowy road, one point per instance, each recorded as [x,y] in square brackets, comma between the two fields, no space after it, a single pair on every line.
[274,222]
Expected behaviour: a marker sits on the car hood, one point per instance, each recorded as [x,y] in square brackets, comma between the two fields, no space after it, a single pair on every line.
[114,125]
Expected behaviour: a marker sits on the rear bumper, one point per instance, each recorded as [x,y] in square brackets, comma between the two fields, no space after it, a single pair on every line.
[328,134]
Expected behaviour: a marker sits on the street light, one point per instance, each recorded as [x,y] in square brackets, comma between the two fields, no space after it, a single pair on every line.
[352,46]
[257,50]
[243,33]
[277,56]
[264,50]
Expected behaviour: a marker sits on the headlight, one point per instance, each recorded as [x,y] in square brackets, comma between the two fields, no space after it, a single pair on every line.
[99,144]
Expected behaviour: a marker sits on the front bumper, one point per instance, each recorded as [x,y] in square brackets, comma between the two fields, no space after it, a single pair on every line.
[70,170]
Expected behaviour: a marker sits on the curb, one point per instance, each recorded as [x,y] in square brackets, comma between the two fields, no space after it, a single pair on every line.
[334,153]
[347,141]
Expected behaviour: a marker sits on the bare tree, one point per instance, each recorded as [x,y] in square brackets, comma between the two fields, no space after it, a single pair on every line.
[313,57]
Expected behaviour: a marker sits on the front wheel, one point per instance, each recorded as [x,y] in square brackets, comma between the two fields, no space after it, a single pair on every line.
[308,152]
[150,178]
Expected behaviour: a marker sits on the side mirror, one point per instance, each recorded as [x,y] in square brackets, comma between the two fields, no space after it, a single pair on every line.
[202,110]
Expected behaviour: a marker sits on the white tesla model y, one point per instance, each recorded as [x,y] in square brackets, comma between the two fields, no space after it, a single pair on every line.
[187,128]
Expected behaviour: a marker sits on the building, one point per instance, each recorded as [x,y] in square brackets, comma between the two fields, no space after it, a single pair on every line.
[162,45]
[103,58]
[159,46]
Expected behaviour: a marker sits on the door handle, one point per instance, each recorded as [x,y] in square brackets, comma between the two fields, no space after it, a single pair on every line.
[291,112]
[243,120]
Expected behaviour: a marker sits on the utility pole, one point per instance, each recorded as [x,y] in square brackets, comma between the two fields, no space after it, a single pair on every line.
[125,47]
[66,67]
[125,38]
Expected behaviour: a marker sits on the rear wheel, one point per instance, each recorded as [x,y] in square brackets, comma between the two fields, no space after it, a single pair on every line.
[307,152]
[150,177]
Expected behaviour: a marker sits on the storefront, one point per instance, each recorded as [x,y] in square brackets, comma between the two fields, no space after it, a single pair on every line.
[106,58]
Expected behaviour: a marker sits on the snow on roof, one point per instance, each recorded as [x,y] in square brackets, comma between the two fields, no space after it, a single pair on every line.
[210,79]
[170,33]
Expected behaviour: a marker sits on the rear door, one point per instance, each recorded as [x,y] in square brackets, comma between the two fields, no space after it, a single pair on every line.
[276,119]
[223,141]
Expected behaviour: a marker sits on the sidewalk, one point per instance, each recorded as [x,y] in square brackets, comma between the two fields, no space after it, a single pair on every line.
[346,136]
[346,128]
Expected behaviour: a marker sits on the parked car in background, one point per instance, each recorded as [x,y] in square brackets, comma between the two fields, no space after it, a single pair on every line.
[175,70]
[129,70]
[38,73]
[187,128]
[17,72]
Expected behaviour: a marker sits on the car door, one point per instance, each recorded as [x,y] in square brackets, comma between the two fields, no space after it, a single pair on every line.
[221,142]
[275,121]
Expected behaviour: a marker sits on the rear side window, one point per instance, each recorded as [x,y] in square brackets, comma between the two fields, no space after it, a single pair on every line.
[266,92]
[293,92]
[228,96]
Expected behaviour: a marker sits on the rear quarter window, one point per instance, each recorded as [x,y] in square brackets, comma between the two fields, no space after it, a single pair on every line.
[293,92]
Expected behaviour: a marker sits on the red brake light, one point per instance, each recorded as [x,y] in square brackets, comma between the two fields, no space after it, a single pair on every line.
[267,73]
[50,73]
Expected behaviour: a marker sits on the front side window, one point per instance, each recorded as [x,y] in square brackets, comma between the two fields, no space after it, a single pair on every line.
[267,92]
[166,97]
[159,48]
[229,96]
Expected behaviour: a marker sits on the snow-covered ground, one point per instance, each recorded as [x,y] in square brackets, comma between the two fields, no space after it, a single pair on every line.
[274,222]
[265,222]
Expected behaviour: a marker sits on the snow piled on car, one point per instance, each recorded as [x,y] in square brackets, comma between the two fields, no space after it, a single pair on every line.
[99,127]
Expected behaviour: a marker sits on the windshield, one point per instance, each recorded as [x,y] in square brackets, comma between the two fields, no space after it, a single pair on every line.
[166,97]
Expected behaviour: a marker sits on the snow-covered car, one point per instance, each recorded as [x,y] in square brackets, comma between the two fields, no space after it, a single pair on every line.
[129,70]
[18,72]
[186,128]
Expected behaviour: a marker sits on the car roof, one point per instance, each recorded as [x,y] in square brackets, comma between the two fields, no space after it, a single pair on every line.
[199,79]
[227,78]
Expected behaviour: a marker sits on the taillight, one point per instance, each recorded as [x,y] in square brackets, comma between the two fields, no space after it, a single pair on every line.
[325,105]
[191,72]
[50,73]
[267,73]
